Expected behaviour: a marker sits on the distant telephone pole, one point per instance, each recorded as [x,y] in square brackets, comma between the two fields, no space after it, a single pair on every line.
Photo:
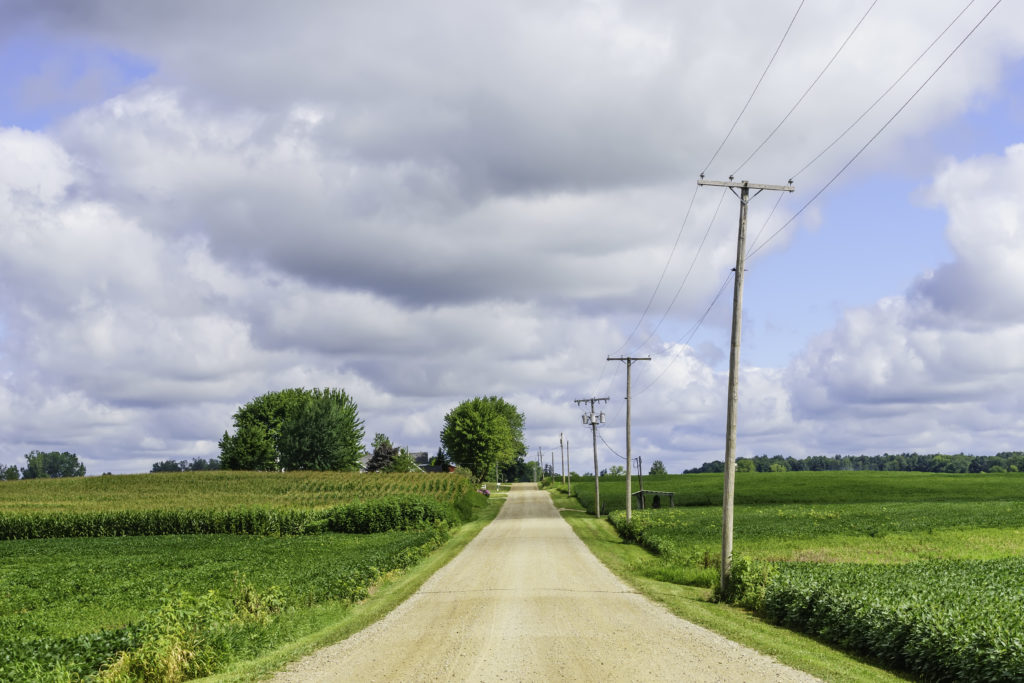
[734,359]
[593,419]
[629,360]
[561,447]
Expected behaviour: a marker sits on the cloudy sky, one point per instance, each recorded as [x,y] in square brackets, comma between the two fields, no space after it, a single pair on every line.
[424,202]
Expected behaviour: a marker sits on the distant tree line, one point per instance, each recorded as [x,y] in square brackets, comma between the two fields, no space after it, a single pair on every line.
[44,465]
[196,465]
[1012,461]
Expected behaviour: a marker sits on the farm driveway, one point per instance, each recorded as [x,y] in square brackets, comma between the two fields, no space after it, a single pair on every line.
[526,601]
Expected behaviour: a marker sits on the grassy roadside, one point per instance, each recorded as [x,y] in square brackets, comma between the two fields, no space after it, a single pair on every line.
[329,624]
[691,603]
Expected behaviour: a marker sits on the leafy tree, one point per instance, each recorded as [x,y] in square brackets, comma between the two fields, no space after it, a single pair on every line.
[168,466]
[324,433]
[201,464]
[8,473]
[251,448]
[657,467]
[616,470]
[383,454]
[402,462]
[482,432]
[197,465]
[258,427]
[54,465]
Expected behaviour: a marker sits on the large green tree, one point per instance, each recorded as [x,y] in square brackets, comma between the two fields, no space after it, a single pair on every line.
[8,472]
[482,432]
[255,445]
[53,464]
[324,433]
[657,467]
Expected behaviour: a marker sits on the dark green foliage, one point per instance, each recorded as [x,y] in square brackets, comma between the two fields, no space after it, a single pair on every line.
[940,620]
[8,473]
[295,429]
[902,462]
[251,448]
[324,433]
[258,424]
[482,432]
[72,605]
[657,468]
[383,454]
[197,465]
[371,516]
[53,465]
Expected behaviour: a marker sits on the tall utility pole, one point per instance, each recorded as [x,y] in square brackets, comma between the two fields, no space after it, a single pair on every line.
[629,460]
[593,419]
[561,447]
[734,359]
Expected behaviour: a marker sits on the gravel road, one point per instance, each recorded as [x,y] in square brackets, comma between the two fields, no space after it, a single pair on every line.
[526,601]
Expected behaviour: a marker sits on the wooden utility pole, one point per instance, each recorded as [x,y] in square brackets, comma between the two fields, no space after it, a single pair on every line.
[734,360]
[629,461]
[561,447]
[593,419]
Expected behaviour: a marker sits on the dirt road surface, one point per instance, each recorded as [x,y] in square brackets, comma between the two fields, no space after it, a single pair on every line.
[527,601]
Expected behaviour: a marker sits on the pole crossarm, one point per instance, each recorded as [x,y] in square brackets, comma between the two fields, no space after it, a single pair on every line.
[748,185]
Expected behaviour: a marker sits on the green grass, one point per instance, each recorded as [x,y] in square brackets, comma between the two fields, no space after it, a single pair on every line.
[862,532]
[220,490]
[768,488]
[693,604]
[55,591]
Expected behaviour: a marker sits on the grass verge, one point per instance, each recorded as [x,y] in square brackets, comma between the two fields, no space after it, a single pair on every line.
[692,603]
[329,624]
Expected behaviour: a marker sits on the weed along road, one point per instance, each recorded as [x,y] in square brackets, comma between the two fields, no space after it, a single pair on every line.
[526,601]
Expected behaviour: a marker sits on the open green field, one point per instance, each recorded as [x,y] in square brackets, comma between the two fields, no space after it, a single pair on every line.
[920,571]
[173,606]
[220,489]
[767,488]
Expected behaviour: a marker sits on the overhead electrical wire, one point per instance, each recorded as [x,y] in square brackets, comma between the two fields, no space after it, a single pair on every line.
[689,270]
[689,208]
[889,89]
[756,86]
[664,270]
[808,90]
[684,341]
[879,132]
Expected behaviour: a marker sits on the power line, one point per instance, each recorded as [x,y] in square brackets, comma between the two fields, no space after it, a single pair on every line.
[686,277]
[889,89]
[601,436]
[664,270]
[690,334]
[879,132]
[808,90]
[754,91]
